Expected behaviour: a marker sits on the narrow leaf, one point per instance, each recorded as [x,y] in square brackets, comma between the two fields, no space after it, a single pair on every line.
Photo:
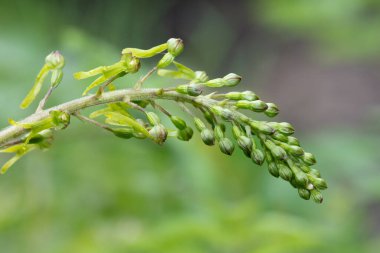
[36,88]
[145,53]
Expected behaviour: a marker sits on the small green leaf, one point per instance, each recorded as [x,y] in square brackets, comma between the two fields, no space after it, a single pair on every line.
[36,88]
[123,120]
[185,70]
[145,53]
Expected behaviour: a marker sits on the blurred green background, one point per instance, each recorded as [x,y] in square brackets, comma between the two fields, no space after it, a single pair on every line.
[318,60]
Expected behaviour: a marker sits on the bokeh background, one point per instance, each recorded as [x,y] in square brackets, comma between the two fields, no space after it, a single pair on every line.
[318,60]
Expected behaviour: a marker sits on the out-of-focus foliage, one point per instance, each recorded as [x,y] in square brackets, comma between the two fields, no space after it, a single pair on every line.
[341,28]
[95,193]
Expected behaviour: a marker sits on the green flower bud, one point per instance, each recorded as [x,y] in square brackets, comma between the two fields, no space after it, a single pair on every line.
[243,104]
[133,65]
[293,141]
[165,61]
[309,158]
[277,152]
[295,150]
[245,144]
[209,117]
[222,112]
[273,169]
[285,128]
[186,134]
[249,95]
[219,132]
[315,173]
[178,122]
[319,183]
[258,106]
[305,194]
[304,168]
[261,127]
[236,131]
[257,156]
[216,83]
[234,95]
[201,76]
[285,172]
[175,46]
[125,132]
[55,60]
[226,146]
[272,110]
[232,79]
[207,137]
[153,118]
[159,133]
[294,183]
[280,137]
[199,124]
[301,178]
[316,196]
[191,89]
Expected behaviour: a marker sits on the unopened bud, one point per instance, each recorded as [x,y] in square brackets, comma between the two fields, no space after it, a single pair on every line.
[261,127]
[304,168]
[315,173]
[159,133]
[273,169]
[277,152]
[309,158]
[295,150]
[226,146]
[199,124]
[207,137]
[285,172]
[257,156]
[125,132]
[234,95]
[133,65]
[232,79]
[279,136]
[216,83]
[185,134]
[305,194]
[178,122]
[245,144]
[175,46]
[236,131]
[272,110]
[222,112]
[285,128]
[219,132]
[153,118]
[316,196]
[319,183]
[293,141]
[165,61]
[301,179]
[249,95]
[55,60]
[258,106]
[191,89]
[201,76]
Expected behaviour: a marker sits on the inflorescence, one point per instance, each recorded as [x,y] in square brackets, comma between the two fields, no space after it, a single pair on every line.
[222,119]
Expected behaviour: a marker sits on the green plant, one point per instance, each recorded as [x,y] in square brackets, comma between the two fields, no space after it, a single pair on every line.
[259,140]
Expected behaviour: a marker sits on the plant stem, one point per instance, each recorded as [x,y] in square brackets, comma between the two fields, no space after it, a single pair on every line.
[12,132]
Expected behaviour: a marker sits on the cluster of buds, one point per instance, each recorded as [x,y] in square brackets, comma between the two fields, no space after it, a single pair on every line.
[225,123]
